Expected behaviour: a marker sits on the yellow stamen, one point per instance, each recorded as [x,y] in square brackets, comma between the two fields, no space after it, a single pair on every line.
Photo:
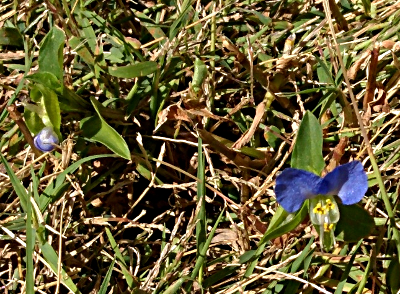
[319,209]
[328,227]
[329,205]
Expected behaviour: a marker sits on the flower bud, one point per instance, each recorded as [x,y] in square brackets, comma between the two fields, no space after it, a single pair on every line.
[46,139]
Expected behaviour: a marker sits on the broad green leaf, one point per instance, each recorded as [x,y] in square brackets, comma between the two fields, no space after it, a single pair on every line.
[87,33]
[68,100]
[354,223]
[51,53]
[96,128]
[72,101]
[324,73]
[47,109]
[307,152]
[51,257]
[33,121]
[153,28]
[81,47]
[278,218]
[10,37]
[200,73]
[47,79]
[139,69]
[263,19]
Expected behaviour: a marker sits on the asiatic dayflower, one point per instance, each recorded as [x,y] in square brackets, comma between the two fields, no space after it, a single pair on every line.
[46,139]
[294,186]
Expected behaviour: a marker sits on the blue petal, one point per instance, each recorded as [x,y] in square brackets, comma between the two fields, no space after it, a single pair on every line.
[348,181]
[294,186]
[46,139]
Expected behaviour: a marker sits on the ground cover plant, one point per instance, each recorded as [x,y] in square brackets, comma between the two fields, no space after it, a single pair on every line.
[199,147]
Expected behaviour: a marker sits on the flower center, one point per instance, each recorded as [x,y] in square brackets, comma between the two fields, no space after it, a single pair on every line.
[324,212]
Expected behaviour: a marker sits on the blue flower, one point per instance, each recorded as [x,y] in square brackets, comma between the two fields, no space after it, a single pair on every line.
[348,181]
[46,139]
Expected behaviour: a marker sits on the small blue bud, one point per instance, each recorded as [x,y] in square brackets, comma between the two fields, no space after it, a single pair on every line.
[46,139]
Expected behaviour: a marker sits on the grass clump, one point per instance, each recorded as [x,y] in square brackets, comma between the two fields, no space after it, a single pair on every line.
[174,120]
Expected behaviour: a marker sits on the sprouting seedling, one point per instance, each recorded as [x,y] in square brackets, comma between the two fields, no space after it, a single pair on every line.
[293,186]
[46,139]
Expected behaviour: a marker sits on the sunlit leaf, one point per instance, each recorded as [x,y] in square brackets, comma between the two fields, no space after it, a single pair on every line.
[140,69]
[96,128]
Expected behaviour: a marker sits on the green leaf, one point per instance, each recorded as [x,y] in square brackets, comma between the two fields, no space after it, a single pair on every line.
[103,287]
[278,218]
[201,258]
[33,121]
[47,79]
[200,73]
[68,100]
[278,228]
[307,152]
[51,257]
[181,20]
[393,274]
[30,242]
[47,109]
[139,69]
[324,73]
[96,128]
[10,37]
[51,53]
[59,183]
[120,258]
[153,28]
[16,183]
[176,286]
[354,223]
[201,227]
[347,271]
[80,46]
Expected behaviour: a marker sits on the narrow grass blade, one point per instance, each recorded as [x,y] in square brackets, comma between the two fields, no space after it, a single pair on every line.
[30,243]
[48,194]
[103,287]
[201,259]
[343,279]
[201,234]
[18,187]
[50,255]
[274,233]
[120,258]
